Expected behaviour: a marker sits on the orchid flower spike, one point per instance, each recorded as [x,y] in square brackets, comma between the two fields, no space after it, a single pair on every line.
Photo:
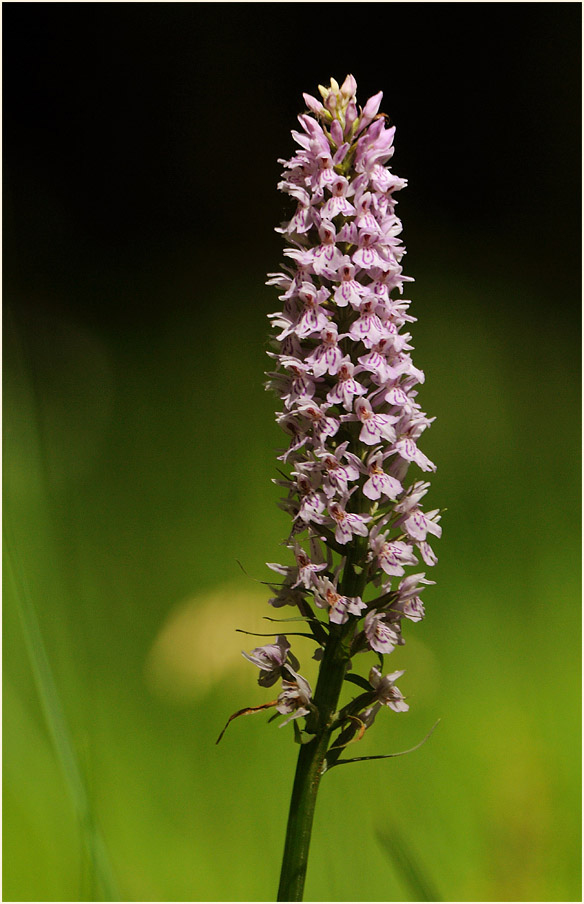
[353,424]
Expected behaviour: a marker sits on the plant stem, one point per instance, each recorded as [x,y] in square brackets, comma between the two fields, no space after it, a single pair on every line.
[298,832]
[311,757]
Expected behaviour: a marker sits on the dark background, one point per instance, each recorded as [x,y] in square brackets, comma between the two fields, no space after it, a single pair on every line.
[139,134]
[140,167]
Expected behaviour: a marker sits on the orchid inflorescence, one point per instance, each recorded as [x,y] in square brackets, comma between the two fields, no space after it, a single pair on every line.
[348,388]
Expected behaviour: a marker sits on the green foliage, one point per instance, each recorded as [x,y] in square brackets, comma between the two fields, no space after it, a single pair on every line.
[137,472]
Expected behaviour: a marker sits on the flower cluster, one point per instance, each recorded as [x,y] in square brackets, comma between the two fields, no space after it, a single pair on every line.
[348,387]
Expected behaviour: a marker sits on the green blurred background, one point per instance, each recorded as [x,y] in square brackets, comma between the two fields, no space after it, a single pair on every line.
[140,156]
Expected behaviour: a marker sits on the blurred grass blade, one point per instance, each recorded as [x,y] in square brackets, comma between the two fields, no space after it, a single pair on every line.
[406,863]
[58,729]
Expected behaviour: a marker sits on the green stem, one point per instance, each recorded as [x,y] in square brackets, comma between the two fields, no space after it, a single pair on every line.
[311,758]
[298,832]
